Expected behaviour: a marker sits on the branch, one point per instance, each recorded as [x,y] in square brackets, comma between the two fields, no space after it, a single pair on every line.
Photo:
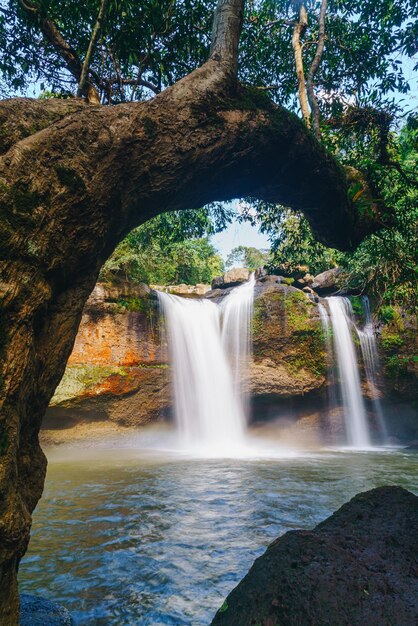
[52,34]
[281,21]
[298,30]
[313,101]
[92,44]
[143,82]
[226,31]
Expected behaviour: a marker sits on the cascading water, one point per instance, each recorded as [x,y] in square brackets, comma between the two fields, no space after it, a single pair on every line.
[353,403]
[371,363]
[208,344]
[236,313]
[327,331]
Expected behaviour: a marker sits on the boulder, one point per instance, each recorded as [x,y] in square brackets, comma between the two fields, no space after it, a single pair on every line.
[36,611]
[326,282]
[357,567]
[232,278]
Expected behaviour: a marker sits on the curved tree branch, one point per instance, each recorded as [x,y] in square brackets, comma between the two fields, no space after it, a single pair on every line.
[313,101]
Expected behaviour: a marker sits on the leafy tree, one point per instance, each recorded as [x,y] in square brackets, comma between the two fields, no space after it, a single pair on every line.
[386,263]
[190,261]
[349,51]
[248,257]
[293,245]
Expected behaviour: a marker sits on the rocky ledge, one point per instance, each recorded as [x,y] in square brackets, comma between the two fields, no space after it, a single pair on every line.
[357,567]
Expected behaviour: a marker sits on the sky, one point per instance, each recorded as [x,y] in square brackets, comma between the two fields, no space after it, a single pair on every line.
[239,234]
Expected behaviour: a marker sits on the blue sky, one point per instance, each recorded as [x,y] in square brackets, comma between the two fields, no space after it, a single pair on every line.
[239,234]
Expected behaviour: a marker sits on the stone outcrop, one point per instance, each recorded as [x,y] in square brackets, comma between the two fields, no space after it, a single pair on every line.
[117,369]
[232,278]
[326,282]
[289,350]
[357,567]
[186,291]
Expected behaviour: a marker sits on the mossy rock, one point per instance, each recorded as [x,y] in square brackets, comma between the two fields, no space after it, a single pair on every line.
[287,331]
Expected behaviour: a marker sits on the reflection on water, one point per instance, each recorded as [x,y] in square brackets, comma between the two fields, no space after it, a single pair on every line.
[127,538]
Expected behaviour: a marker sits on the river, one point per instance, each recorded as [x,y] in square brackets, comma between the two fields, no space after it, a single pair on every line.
[131,536]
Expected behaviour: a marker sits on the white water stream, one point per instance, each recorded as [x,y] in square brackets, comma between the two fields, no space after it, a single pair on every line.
[371,364]
[209,347]
[354,408]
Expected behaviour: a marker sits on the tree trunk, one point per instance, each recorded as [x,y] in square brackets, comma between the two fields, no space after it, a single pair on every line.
[298,31]
[73,189]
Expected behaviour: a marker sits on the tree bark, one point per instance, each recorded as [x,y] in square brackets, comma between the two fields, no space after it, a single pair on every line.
[298,30]
[313,100]
[75,179]
[90,50]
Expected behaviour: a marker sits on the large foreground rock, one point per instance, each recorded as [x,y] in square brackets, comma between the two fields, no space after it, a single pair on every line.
[357,568]
[36,611]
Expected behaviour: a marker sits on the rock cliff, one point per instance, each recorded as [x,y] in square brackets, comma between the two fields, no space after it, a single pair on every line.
[119,371]
[118,368]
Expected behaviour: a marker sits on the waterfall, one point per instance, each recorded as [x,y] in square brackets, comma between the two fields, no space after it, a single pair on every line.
[353,403]
[208,344]
[371,363]
[236,312]
[327,330]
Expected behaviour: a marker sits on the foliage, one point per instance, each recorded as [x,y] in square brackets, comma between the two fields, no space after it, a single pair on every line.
[293,243]
[357,307]
[386,263]
[391,341]
[146,46]
[143,46]
[386,313]
[169,249]
[248,257]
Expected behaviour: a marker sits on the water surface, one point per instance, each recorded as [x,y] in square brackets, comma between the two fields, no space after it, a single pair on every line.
[131,537]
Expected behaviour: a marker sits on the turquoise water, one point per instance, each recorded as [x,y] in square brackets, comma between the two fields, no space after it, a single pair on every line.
[125,537]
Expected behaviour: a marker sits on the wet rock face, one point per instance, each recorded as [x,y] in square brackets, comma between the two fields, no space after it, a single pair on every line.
[120,326]
[289,357]
[117,369]
[128,396]
[357,567]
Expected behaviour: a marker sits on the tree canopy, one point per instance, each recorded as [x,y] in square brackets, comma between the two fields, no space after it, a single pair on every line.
[140,48]
[339,62]
[171,248]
